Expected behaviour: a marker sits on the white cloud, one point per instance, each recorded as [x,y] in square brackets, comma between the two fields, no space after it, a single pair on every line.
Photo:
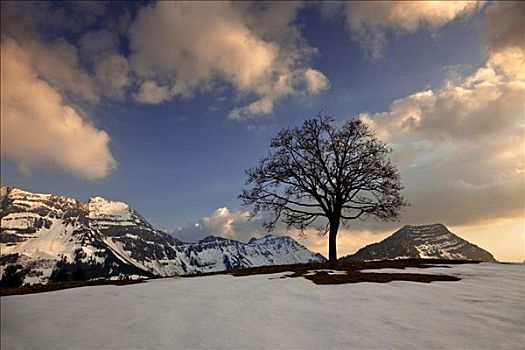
[369,22]
[58,64]
[178,49]
[461,146]
[315,81]
[228,43]
[223,222]
[87,67]
[111,73]
[460,149]
[112,76]
[150,92]
[40,125]
[259,107]
[39,128]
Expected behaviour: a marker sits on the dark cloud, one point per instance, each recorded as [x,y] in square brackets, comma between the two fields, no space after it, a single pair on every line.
[504,25]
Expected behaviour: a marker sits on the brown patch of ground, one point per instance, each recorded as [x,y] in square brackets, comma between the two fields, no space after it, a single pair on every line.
[350,272]
[39,288]
[323,277]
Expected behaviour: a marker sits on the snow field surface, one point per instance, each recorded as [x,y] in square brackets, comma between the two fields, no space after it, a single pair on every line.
[485,310]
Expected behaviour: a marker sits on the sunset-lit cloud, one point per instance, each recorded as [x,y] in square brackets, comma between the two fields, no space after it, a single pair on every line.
[371,22]
[150,92]
[262,58]
[460,147]
[89,70]
[504,30]
[226,45]
[224,222]
[112,75]
[58,63]
[39,128]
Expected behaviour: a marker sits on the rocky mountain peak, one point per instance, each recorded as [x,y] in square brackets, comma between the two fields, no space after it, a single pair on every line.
[422,241]
[51,238]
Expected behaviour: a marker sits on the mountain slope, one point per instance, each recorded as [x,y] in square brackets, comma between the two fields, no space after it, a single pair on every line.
[424,241]
[52,238]
[45,233]
[217,254]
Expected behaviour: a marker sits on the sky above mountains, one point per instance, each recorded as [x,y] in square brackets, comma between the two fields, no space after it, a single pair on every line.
[164,104]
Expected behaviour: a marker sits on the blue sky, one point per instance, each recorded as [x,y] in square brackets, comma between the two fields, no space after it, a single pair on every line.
[180,156]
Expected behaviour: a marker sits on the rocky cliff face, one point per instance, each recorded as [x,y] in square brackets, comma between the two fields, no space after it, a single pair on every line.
[425,241]
[48,238]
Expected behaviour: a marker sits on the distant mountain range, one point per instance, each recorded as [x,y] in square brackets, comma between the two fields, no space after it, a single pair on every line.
[424,241]
[45,238]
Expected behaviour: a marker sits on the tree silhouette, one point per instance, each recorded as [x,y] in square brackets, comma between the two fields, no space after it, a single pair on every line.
[13,276]
[323,175]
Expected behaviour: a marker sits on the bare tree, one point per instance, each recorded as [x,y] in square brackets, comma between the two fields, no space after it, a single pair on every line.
[323,175]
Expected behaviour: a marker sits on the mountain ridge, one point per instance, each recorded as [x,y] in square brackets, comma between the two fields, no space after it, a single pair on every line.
[51,237]
[422,241]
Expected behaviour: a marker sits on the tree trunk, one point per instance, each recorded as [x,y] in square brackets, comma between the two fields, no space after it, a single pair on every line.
[332,243]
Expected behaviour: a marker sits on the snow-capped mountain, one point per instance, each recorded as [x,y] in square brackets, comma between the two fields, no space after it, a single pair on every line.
[217,254]
[49,238]
[424,241]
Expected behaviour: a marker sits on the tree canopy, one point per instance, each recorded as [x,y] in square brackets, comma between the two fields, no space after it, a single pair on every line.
[324,175]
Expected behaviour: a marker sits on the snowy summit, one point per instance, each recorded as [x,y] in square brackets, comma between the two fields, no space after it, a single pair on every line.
[52,238]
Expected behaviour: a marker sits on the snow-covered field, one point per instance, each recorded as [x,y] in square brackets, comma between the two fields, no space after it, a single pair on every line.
[485,310]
